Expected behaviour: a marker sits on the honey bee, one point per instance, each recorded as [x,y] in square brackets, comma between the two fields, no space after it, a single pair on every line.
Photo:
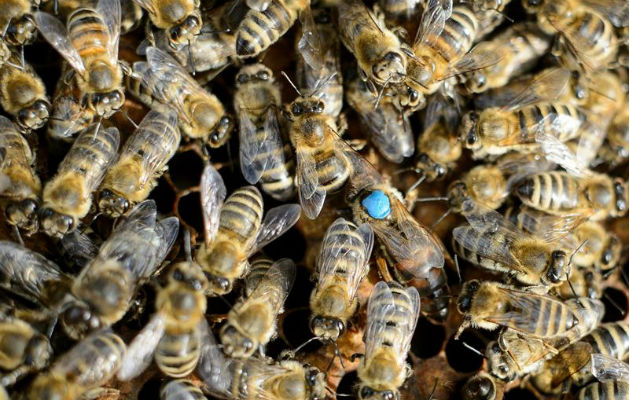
[181,19]
[31,276]
[181,389]
[489,305]
[387,127]
[172,336]
[17,164]
[562,193]
[251,323]
[90,46]
[67,197]
[260,29]
[612,379]
[257,378]
[263,155]
[235,230]
[381,57]
[520,124]
[104,289]
[23,95]
[341,266]
[322,165]
[318,66]
[607,389]
[614,150]
[16,22]
[481,386]
[161,81]
[518,48]
[23,350]
[392,315]
[89,364]
[142,161]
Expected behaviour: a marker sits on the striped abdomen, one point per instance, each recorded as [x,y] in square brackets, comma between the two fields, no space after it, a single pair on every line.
[607,390]
[332,170]
[17,164]
[276,179]
[348,248]
[395,321]
[597,40]
[259,30]
[560,120]
[181,389]
[88,33]
[611,339]
[550,191]
[177,354]
[483,240]
[241,215]
[546,318]
[458,34]
[257,270]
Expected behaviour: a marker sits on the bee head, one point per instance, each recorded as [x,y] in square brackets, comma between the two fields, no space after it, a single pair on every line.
[327,327]
[498,365]
[23,214]
[235,344]
[559,267]
[306,105]
[392,67]
[107,103]
[78,320]
[476,81]
[34,116]
[55,224]
[38,352]
[111,204]
[190,275]
[459,196]
[621,197]
[221,132]
[479,387]
[532,6]
[468,130]
[21,31]
[468,292]
[181,33]
[610,256]
[315,382]
[368,393]
[255,73]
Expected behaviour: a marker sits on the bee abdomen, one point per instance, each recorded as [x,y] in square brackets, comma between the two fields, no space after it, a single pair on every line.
[553,191]
[177,355]
[397,319]
[610,339]
[91,154]
[277,180]
[242,213]
[606,390]
[181,389]
[458,34]
[87,32]
[259,30]
[553,318]
[331,170]
[107,348]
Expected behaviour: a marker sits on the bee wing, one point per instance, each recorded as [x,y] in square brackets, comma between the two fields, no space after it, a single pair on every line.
[27,273]
[310,46]
[277,221]
[525,306]
[216,371]
[412,320]
[311,194]
[604,367]
[141,349]
[167,230]
[474,61]
[433,19]
[551,228]
[213,194]
[466,237]
[350,14]
[517,166]
[56,34]
[78,247]
[390,132]
[547,86]
[255,143]
[574,162]
[483,219]
[281,275]
[615,10]
[561,370]
[110,10]
[154,126]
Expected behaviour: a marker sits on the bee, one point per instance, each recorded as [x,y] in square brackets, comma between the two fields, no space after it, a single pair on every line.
[607,389]
[90,46]
[67,197]
[89,364]
[142,161]
[562,193]
[318,66]
[16,22]
[251,323]
[399,9]
[161,81]
[260,29]
[392,314]
[481,386]
[257,378]
[388,129]
[181,19]
[341,266]
[23,95]
[104,289]
[235,230]
[614,150]
[172,336]
[440,51]
[489,305]
[17,164]
[381,57]
[181,389]
[322,165]
[519,47]
[263,155]
[22,350]
[31,276]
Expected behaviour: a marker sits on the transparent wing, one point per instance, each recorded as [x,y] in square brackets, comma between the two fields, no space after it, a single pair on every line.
[551,228]
[354,18]
[78,247]
[390,132]
[213,194]
[574,162]
[469,238]
[110,10]
[547,86]
[356,276]
[56,34]
[433,19]
[277,282]
[27,273]
[517,166]
[311,46]
[140,351]
[381,308]
[615,10]
[412,320]
[485,219]
[311,194]
[605,367]
[525,308]
[561,370]
[214,368]
[167,230]
[255,144]
[277,221]
[474,61]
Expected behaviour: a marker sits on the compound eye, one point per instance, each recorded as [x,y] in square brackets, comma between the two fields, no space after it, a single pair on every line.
[242,78]
[263,75]
[297,109]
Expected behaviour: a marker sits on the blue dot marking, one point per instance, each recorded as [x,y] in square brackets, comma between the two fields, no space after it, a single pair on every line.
[377,204]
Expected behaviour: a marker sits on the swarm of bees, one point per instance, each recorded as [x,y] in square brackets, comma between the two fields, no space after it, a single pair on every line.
[452,175]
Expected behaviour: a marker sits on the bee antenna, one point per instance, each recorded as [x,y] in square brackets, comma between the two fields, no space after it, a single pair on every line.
[496,10]
[321,83]
[126,115]
[98,214]
[408,169]
[300,347]
[187,248]
[459,275]
[343,395]
[380,93]
[576,250]
[418,182]
[436,223]
[574,292]
[469,347]
[434,198]
[192,60]
[291,83]
[614,303]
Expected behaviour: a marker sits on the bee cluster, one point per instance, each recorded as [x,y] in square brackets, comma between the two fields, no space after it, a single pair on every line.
[459,199]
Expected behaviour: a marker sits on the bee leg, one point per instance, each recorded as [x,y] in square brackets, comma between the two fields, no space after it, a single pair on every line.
[16,232]
[382,269]
[101,393]
[11,378]
[261,351]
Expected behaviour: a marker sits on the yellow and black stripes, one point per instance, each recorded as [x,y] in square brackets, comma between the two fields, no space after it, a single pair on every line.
[551,191]
[88,33]
[276,179]
[561,120]
[611,339]
[458,34]
[606,390]
[177,354]
[241,214]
